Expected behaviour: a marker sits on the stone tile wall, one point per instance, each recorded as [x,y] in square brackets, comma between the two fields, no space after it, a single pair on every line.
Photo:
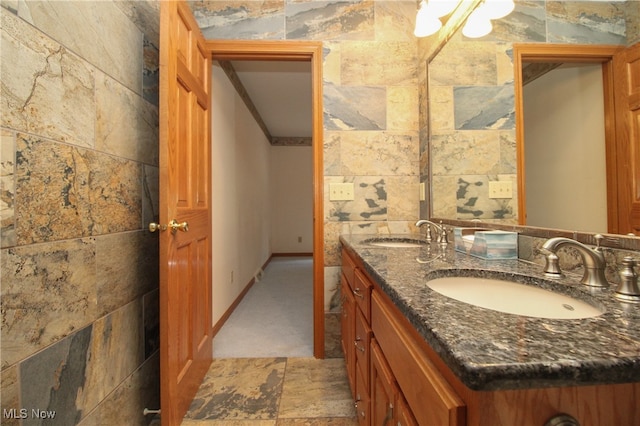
[471,101]
[79,181]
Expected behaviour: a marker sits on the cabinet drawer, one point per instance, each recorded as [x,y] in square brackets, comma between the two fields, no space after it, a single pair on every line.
[431,398]
[362,345]
[362,293]
[348,267]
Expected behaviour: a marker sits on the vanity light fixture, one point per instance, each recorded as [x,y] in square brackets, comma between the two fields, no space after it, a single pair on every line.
[427,22]
[496,9]
[478,24]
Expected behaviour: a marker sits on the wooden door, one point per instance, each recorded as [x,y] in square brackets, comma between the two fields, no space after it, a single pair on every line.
[185,249]
[627,104]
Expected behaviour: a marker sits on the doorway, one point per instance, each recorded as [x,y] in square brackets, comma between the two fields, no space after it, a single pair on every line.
[547,57]
[222,50]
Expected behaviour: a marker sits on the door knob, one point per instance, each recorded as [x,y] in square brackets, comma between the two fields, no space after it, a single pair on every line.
[153,227]
[178,226]
[174,225]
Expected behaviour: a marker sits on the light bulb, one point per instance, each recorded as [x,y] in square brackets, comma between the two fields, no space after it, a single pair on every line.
[426,22]
[496,9]
[477,25]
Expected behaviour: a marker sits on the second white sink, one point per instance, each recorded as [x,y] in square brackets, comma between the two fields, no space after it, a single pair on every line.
[513,298]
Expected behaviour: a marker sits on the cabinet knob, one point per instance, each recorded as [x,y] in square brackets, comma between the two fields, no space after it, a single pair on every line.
[562,420]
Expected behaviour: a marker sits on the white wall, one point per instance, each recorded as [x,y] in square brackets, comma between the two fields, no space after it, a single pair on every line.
[262,196]
[241,194]
[565,166]
[292,199]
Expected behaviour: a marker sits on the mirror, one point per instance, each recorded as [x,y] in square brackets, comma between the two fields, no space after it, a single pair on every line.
[473,158]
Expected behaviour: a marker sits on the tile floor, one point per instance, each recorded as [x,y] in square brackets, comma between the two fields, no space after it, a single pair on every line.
[273,392]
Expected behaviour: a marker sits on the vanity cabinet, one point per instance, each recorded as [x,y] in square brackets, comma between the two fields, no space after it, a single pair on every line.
[395,375]
[391,380]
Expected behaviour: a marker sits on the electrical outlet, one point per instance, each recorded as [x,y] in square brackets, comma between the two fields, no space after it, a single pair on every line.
[341,191]
[299,239]
[423,195]
[500,189]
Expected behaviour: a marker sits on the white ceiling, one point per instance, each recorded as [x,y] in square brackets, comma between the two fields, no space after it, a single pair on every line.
[281,92]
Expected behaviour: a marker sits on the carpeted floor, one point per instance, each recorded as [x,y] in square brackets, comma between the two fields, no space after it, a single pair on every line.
[275,318]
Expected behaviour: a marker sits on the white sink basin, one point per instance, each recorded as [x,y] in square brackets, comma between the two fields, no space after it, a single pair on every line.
[393,242]
[513,298]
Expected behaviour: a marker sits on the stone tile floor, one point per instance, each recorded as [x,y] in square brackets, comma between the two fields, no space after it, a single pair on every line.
[273,392]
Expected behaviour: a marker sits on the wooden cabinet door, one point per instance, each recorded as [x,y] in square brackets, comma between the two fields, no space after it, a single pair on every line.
[362,401]
[362,343]
[347,328]
[185,254]
[404,416]
[433,401]
[384,391]
[626,65]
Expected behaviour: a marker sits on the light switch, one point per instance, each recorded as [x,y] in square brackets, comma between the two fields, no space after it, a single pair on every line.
[500,189]
[423,195]
[341,191]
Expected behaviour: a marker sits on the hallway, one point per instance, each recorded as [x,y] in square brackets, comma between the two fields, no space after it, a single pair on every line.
[275,317]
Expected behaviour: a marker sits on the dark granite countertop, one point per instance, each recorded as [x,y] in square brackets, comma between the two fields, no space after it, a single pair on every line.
[490,350]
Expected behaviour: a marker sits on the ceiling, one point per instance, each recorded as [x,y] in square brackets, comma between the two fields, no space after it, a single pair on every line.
[281,93]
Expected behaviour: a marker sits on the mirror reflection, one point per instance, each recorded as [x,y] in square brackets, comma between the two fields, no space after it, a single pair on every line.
[564,146]
[473,156]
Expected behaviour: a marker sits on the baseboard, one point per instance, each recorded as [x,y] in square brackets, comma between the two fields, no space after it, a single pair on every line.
[218,325]
[291,255]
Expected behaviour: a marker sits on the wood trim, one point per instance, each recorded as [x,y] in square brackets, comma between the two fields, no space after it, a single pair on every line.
[276,50]
[548,52]
[228,69]
[291,141]
[264,50]
[291,255]
[223,319]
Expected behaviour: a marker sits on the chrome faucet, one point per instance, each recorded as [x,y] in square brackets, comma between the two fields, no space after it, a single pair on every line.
[592,260]
[441,236]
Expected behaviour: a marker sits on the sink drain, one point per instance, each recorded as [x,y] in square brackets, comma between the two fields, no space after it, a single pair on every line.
[568,307]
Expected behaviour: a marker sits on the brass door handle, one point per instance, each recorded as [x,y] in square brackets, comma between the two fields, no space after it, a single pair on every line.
[153,227]
[174,225]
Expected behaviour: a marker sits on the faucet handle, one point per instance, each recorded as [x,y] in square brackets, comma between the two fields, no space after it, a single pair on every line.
[598,238]
[628,289]
[552,265]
